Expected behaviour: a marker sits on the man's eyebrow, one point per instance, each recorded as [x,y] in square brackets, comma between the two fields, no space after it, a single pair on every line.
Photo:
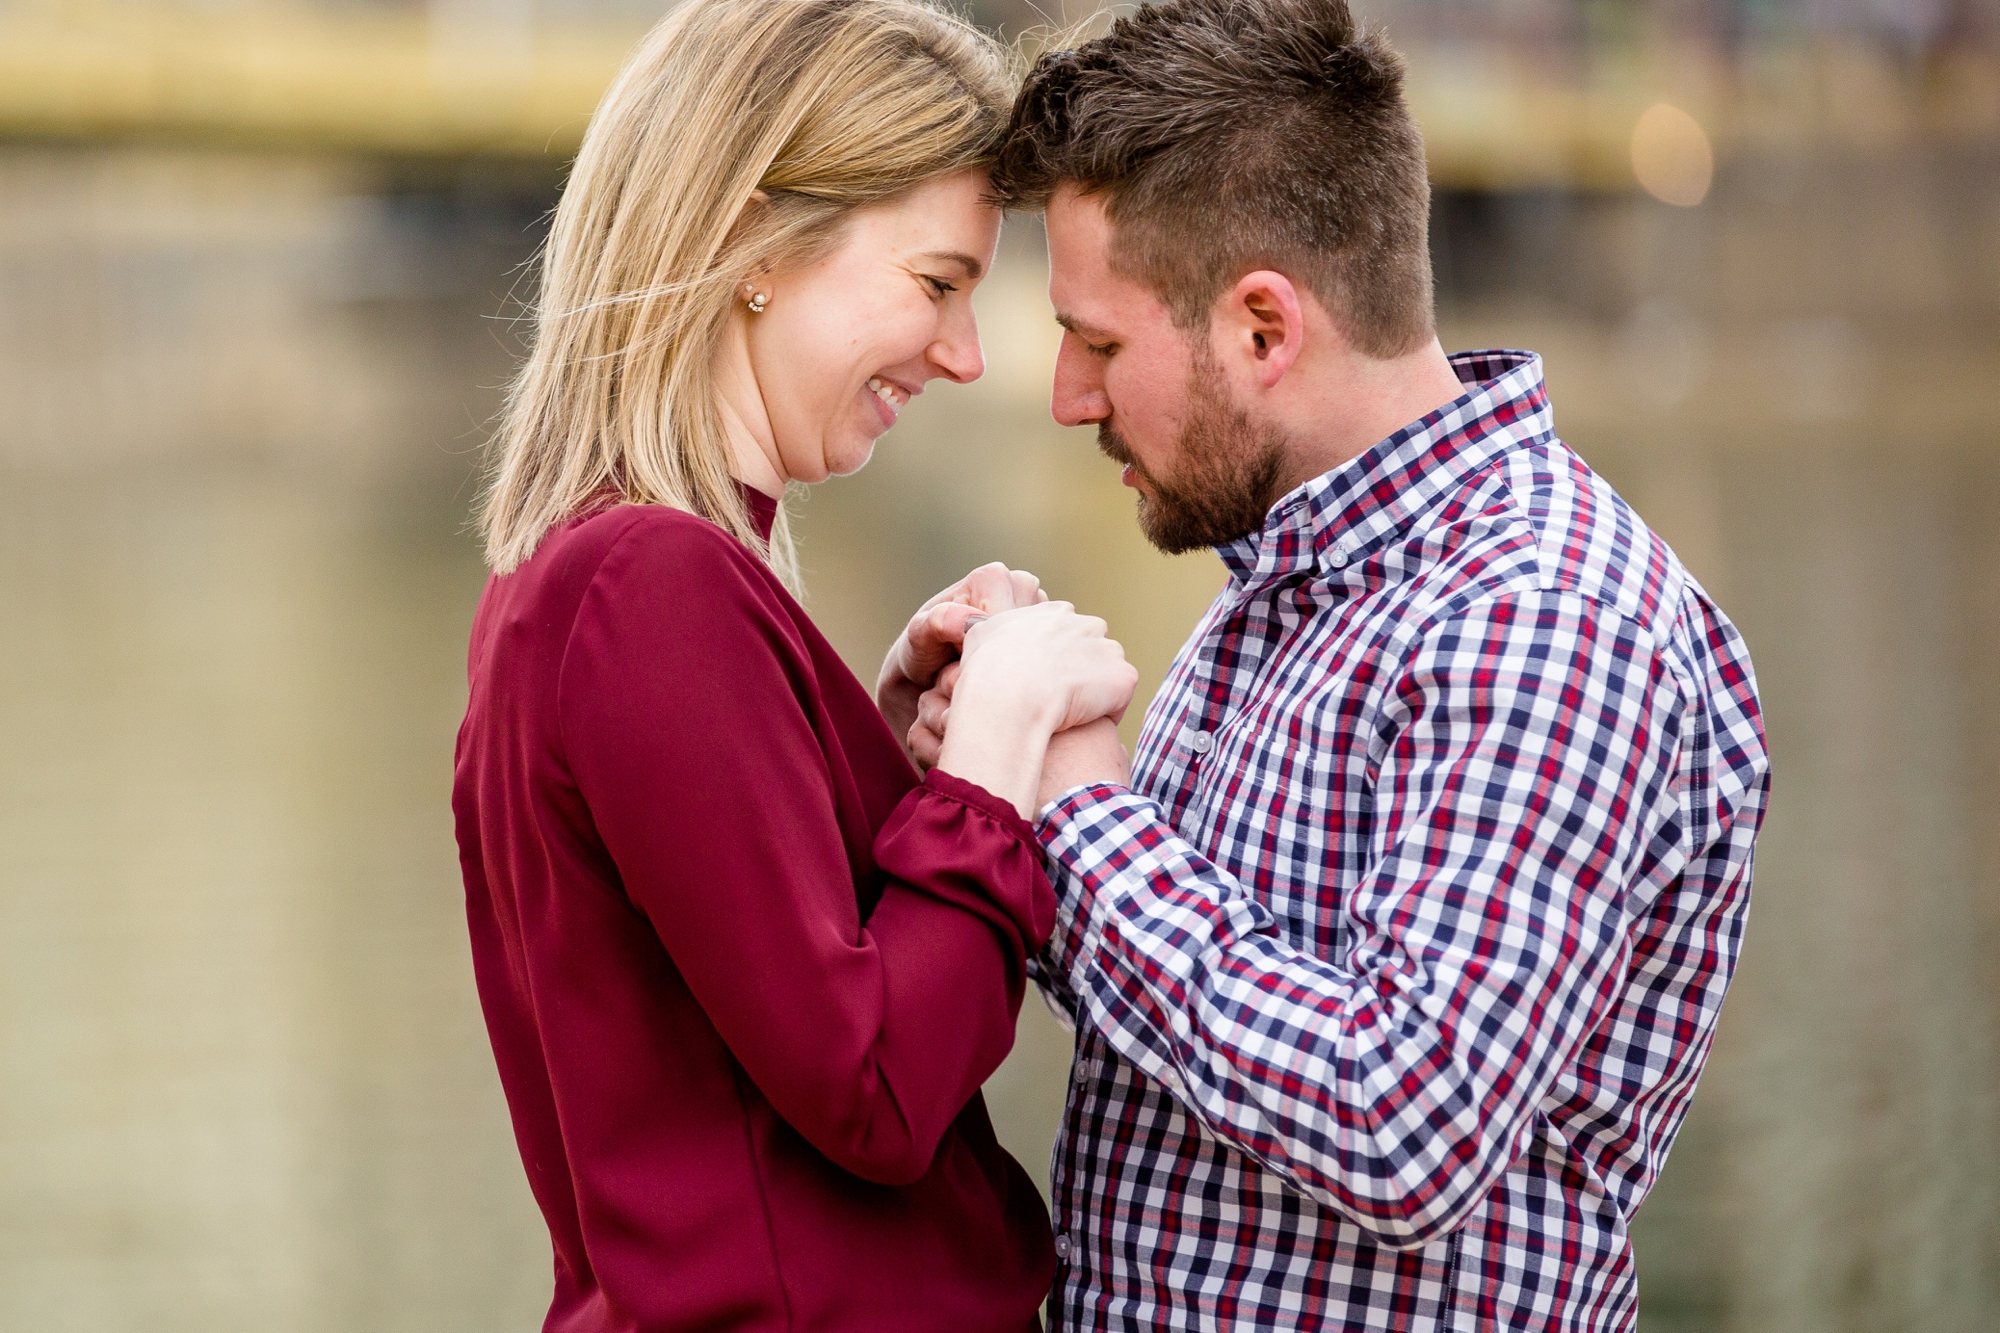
[1087,332]
[973,268]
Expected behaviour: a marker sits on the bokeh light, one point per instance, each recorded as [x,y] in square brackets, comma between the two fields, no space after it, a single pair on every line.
[1671,156]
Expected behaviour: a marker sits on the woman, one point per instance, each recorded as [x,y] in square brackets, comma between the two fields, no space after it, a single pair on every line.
[744,973]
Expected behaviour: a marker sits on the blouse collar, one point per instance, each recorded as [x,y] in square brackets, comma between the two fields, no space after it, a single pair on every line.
[763,509]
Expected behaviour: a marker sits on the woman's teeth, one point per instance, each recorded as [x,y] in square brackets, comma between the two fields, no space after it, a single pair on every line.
[886,392]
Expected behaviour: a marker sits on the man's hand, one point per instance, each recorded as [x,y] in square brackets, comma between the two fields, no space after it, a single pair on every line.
[1089,753]
[931,640]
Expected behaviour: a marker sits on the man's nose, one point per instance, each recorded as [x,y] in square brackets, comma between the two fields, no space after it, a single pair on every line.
[1079,398]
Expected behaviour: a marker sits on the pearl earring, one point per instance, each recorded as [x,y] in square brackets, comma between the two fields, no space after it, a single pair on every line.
[758,300]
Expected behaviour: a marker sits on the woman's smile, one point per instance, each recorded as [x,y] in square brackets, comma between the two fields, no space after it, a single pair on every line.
[889,397]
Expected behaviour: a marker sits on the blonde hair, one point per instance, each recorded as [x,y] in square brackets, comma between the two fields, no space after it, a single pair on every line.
[823,106]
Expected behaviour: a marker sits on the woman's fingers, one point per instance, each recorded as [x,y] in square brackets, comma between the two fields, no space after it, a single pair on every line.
[946,626]
[936,631]
[1050,662]
[1027,589]
[932,711]
[935,634]
[924,745]
[995,588]
[926,738]
[990,588]
[931,639]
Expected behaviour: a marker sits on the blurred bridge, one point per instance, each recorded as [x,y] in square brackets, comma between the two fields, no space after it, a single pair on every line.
[495,78]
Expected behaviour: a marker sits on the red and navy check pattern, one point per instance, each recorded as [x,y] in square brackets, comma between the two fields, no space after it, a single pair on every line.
[1396,965]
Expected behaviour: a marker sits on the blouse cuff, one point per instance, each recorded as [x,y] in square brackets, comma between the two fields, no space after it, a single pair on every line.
[960,844]
[1002,812]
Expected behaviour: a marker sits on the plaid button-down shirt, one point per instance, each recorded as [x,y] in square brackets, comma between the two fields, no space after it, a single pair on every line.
[1394,968]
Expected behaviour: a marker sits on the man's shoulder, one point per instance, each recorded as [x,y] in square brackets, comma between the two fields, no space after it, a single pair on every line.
[1538,524]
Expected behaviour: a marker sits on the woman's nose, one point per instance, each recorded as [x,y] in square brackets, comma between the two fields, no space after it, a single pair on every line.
[956,353]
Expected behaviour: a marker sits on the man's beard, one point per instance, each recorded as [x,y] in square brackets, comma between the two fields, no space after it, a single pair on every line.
[1225,470]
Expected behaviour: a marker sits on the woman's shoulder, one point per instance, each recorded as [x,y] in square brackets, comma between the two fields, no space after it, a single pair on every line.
[657,530]
[652,558]
[650,542]
[671,605]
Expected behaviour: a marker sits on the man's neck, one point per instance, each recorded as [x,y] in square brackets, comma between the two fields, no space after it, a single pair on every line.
[1361,402]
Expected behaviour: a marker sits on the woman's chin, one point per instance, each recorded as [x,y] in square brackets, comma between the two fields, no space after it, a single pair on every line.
[852,459]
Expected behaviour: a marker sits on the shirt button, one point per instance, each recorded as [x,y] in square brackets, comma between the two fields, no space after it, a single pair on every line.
[1081,1074]
[1201,742]
[1062,1246]
[1337,556]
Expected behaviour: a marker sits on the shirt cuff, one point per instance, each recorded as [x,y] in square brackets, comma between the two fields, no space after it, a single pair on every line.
[1083,835]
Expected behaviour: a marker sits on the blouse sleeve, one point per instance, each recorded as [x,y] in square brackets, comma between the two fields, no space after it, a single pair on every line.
[688,723]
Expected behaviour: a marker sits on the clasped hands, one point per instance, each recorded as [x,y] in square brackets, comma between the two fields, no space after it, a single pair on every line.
[994,683]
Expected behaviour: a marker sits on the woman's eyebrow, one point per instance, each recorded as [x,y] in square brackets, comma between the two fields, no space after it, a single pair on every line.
[973,268]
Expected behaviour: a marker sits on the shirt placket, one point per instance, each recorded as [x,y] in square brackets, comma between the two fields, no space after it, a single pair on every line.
[1231,659]
[1210,694]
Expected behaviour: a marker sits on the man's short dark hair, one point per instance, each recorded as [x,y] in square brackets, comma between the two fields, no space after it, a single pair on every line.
[1225,136]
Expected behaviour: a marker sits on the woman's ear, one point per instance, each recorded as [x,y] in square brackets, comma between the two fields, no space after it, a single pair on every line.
[752,284]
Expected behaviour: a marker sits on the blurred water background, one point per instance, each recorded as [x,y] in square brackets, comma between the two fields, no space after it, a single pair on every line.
[255,268]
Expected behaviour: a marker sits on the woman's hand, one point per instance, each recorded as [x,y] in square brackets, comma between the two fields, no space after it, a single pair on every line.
[1045,666]
[1026,675]
[930,642]
[1081,755]
[925,740]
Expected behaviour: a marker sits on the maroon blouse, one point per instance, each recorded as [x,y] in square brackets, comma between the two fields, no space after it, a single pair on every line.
[743,972]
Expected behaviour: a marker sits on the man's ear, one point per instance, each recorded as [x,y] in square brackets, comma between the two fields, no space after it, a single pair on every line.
[1261,324]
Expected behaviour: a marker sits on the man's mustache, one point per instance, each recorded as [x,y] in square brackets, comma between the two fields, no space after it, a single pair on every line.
[1112,446]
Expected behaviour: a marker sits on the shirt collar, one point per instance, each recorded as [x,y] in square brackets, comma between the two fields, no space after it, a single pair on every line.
[1339,517]
[762,508]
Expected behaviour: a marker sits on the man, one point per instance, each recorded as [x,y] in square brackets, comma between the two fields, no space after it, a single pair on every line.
[1394,963]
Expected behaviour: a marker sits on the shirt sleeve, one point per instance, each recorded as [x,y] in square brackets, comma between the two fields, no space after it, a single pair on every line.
[1526,758]
[690,723]
[1051,980]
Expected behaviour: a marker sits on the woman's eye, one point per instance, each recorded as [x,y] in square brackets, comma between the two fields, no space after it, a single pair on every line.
[939,286]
